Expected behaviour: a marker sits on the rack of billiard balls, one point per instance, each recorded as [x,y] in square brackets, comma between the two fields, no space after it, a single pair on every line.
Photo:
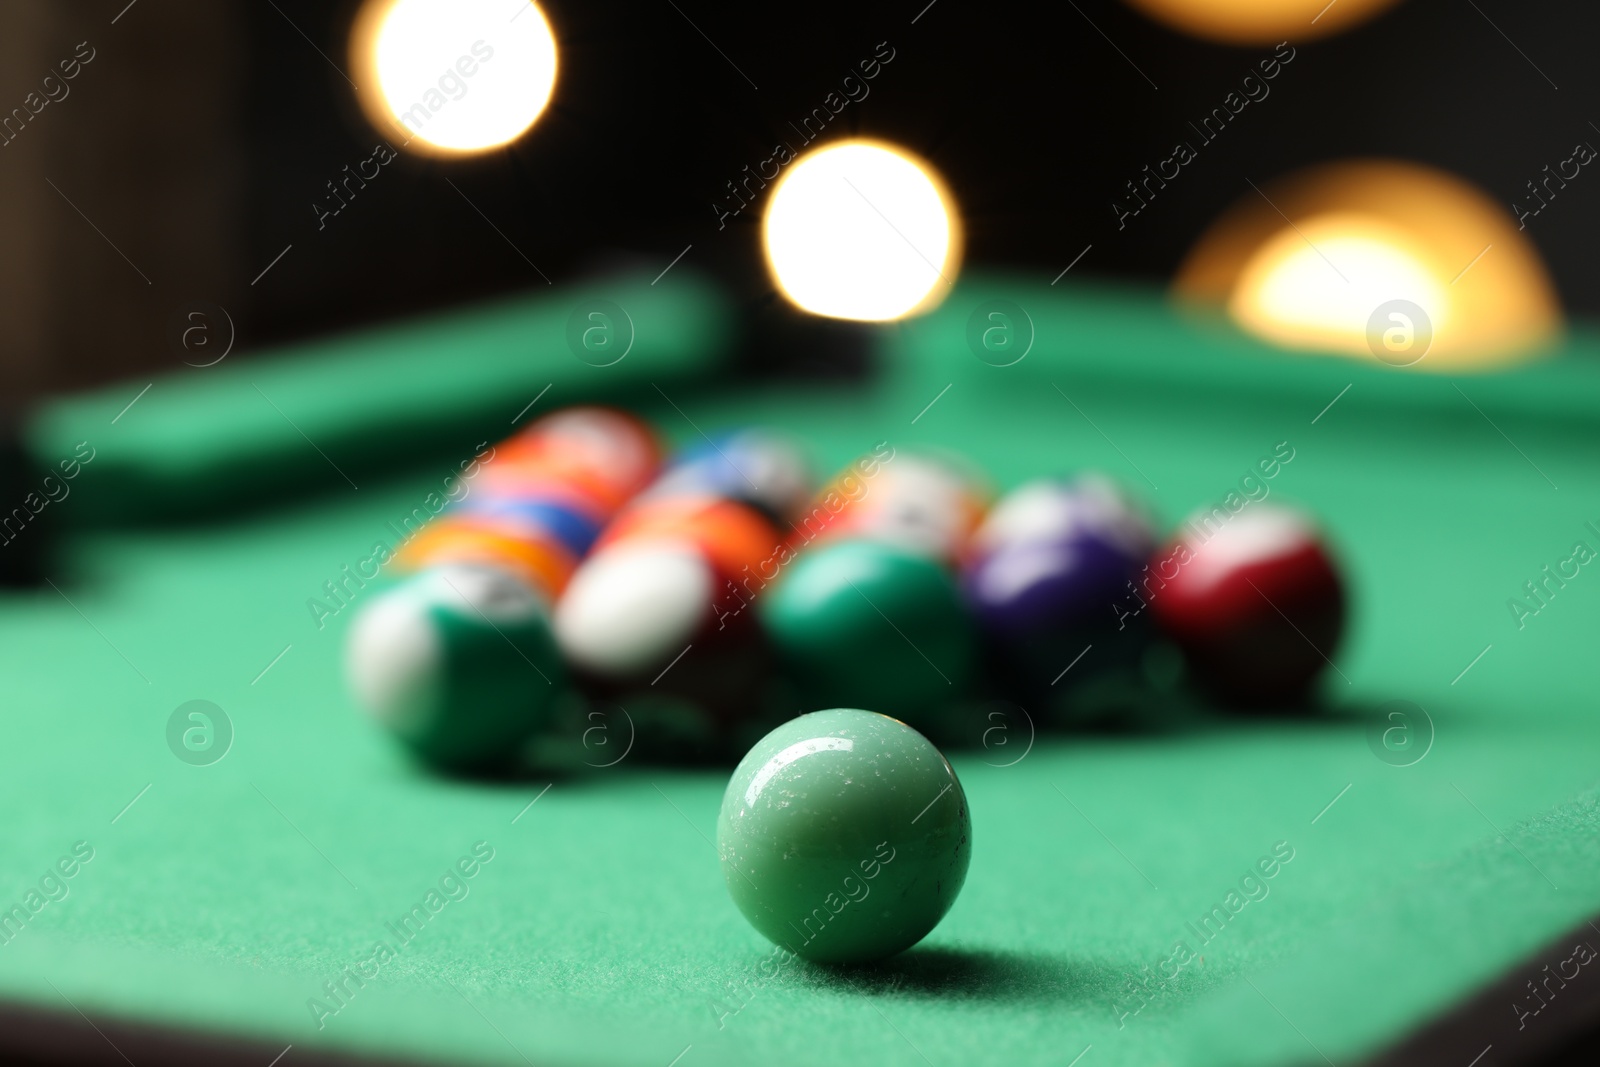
[712,598]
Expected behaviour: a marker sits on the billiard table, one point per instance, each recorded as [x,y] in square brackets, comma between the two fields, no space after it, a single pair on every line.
[276,879]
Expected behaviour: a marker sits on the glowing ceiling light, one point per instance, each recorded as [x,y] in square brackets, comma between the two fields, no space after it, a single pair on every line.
[1261,21]
[453,76]
[861,230]
[1319,283]
[1383,261]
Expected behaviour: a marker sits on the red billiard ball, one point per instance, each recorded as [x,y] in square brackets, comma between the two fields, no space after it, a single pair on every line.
[1254,601]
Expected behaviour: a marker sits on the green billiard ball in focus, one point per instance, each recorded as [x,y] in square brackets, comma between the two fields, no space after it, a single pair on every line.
[844,836]
[859,623]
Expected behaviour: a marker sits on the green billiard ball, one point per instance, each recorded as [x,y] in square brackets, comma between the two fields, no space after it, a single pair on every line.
[865,624]
[844,836]
[458,662]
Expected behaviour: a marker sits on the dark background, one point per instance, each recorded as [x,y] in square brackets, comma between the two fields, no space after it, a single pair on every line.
[198,139]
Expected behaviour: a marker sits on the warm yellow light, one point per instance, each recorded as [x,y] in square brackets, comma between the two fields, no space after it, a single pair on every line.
[1261,21]
[861,230]
[453,76]
[1317,284]
[1388,262]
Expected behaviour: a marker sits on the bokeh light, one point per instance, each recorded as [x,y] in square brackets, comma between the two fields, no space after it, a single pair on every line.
[453,76]
[1381,260]
[1261,21]
[862,230]
[1315,285]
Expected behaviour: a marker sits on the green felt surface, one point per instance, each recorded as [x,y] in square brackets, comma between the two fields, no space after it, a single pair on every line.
[600,932]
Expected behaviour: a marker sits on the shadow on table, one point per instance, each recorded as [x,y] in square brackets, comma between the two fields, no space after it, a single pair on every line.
[982,975]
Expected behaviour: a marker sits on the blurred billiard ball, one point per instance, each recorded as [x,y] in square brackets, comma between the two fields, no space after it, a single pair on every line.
[1256,604]
[1049,569]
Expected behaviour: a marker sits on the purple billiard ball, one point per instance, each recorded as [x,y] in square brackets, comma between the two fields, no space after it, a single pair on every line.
[1050,509]
[1047,582]
[1045,586]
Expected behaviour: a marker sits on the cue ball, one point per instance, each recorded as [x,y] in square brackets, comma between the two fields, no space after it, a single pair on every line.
[1257,606]
[658,588]
[844,836]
